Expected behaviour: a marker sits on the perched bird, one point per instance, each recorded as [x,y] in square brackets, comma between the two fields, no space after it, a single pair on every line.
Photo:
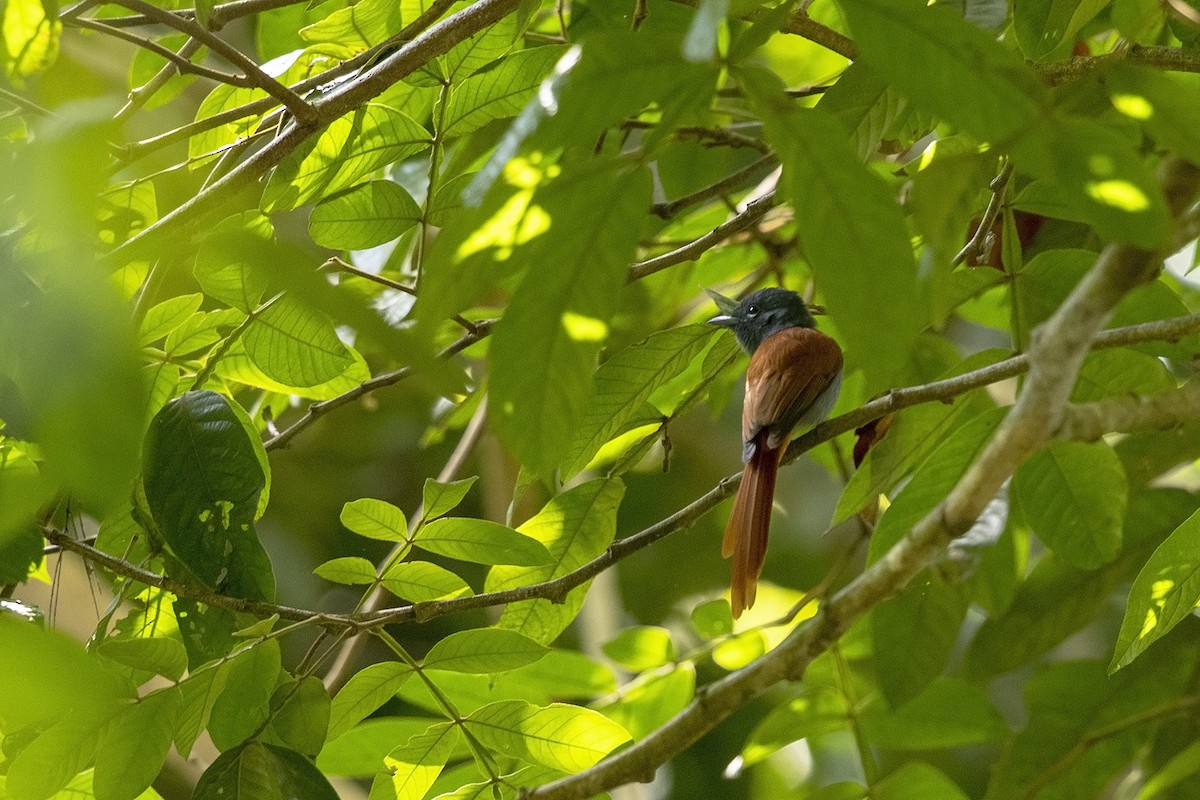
[793,381]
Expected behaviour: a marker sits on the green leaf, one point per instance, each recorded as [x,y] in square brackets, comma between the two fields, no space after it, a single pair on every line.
[713,619]
[200,693]
[245,702]
[375,519]
[865,105]
[1167,105]
[347,569]
[420,582]
[257,771]
[647,704]
[559,736]
[948,66]
[296,345]
[480,49]
[815,711]
[949,712]
[167,316]
[58,753]
[203,479]
[480,541]
[1042,26]
[440,498]
[850,224]
[136,745]
[364,693]
[359,752]
[229,262]
[484,651]
[498,93]
[1182,765]
[914,633]
[30,44]
[1166,591]
[1085,728]
[576,527]
[300,712]
[1056,599]
[624,383]
[361,25]
[917,780]
[543,350]
[1109,373]
[411,768]
[932,481]
[1096,175]
[641,648]
[351,148]
[166,657]
[1074,495]
[364,216]
[913,435]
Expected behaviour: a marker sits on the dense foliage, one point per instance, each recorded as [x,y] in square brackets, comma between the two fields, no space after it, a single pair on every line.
[357,350]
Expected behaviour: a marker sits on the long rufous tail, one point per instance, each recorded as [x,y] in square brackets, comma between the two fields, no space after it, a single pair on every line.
[750,523]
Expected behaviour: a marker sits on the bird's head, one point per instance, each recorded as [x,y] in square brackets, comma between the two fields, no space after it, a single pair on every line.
[760,314]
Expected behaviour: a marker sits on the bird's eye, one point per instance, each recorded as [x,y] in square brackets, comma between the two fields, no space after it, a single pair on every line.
[752,311]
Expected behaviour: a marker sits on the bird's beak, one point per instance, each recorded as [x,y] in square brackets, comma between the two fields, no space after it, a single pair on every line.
[727,306]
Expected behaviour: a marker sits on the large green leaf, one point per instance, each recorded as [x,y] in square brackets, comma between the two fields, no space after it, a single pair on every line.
[484,651]
[296,345]
[203,478]
[59,752]
[576,527]
[421,581]
[480,541]
[300,712]
[498,93]
[136,744]
[851,230]
[1056,599]
[360,25]
[562,737]
[544,348]
[438,498]
[948,66]
[364,693]
[1168,105]
[257,771]
[365,216]
[375,519]
[932,481]
[645,705]
[1165,592]
[351,148]
[1073,495]
[200,693]
[914,633]
[625,382]
[947,713]
[159,655]
[411,768]
[1094,174]
[359,752]
[1042,26]
[245,701]
[917,780]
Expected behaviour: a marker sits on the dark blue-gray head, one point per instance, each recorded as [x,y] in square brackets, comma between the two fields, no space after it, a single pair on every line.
[760,314]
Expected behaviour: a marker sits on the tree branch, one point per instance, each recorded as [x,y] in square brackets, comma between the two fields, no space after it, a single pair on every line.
[755,211]
[1089,421]
[281,439]
[938,391]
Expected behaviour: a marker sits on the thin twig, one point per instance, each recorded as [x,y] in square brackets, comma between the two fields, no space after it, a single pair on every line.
[755,211]
[974,248]
[316,410]
[750,173]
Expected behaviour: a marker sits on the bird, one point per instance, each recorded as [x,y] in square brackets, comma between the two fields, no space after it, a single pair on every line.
[792,382]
